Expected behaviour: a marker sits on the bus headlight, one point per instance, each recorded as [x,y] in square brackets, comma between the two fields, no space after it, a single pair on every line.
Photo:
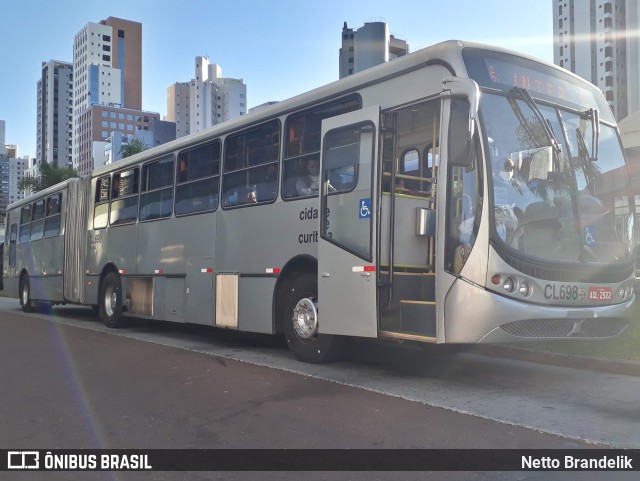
[524,289]
[509,285]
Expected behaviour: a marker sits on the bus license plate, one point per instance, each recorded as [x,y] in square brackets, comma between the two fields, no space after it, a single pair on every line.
[600,294]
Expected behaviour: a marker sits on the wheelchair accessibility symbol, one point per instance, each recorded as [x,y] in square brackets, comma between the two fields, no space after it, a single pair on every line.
[365,209]
[590,236]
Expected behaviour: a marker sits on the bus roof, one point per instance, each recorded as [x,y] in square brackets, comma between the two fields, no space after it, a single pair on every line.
[42,193]
[446,53]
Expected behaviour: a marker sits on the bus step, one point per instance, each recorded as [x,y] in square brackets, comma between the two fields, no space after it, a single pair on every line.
[419,287]
[410,317]
[418,317]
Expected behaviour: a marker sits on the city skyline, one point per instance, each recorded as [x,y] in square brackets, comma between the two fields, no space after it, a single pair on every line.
[278,52]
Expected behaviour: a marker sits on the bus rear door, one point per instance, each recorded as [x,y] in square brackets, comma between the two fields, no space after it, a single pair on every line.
[346,248]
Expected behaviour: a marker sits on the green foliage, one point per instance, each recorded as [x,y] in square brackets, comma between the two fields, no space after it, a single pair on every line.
[50,174]
[134,146]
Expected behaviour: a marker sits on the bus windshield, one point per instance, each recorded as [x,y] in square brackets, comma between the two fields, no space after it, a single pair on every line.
[551,199]
[557,175]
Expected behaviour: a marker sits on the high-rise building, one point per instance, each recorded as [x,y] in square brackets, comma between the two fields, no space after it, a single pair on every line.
[207,100]
[107,66]
[12,170]
[55,113]
[369,45]
[3,148]
[598,40]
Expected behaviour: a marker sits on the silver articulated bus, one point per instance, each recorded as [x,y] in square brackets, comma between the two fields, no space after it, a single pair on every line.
[459,194]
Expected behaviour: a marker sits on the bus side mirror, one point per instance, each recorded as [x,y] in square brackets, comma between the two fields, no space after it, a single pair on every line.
[465,88]
[461,151]
[465,98]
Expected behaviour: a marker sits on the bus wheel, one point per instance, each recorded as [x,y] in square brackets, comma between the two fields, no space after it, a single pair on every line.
[300,322]
[111,301]
[25,295]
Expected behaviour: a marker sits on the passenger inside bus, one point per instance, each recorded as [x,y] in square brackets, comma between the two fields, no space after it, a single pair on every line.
[309,184]
[505,198]
[267,187]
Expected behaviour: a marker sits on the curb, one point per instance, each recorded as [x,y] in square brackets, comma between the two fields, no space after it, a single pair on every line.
[608,366]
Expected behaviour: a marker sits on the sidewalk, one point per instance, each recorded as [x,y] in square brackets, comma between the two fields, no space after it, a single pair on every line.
[611,366]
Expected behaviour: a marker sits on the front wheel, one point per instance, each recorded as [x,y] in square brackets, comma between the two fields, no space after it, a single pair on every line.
[110,302]
[300,322]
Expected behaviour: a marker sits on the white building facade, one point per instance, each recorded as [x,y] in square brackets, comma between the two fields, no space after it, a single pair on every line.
[107,66]
[598,40]
[207,100]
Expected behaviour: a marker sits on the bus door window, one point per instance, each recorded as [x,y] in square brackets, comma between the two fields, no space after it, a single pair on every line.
[52,220]
[198,179]
[25,224]
[13,235]
[37,221]
[464,201]
[156,199]
[101,201]
[349,150]
[417,128]
[124,195]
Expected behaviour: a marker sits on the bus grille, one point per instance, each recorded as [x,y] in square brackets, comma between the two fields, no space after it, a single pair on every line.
[563,328]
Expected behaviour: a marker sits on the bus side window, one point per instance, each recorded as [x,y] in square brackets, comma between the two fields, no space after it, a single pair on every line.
[156,199]
[300,175]
[198,179]
[101,209]
[52,220]
[251,166]
[124,203]
[37,220]
[13,234]
[464,205]
[25,224]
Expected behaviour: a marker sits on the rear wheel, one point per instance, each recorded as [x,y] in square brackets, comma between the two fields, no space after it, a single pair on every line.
[111,301]
[28,304]
[300,322]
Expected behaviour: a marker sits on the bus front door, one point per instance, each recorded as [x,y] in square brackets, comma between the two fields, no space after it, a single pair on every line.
[347,245]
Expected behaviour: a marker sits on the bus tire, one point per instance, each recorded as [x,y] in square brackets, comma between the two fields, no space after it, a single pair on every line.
[110,301]
[28,305]
[306,345]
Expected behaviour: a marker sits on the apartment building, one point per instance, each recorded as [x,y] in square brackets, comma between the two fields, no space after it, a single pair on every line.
[367,46]
[55,113]
[207,100]
[598,40]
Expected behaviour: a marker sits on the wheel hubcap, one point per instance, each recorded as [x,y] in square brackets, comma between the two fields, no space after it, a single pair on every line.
[110,300]
[305,319]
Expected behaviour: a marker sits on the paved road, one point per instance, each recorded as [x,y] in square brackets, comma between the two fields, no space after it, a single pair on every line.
[70,383]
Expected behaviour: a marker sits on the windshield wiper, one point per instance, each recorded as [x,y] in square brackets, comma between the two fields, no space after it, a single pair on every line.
[546,125]
[594,116]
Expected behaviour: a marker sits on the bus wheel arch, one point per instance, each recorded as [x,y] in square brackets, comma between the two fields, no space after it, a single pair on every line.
[297,313]
[291,270]
[110,298]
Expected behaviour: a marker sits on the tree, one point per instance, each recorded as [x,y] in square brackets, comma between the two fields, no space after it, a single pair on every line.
[132,147]
[50,174]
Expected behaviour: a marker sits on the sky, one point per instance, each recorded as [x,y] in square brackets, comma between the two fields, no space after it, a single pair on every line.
[280,48]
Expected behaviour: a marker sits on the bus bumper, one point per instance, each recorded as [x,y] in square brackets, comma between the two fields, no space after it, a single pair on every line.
[475,315]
